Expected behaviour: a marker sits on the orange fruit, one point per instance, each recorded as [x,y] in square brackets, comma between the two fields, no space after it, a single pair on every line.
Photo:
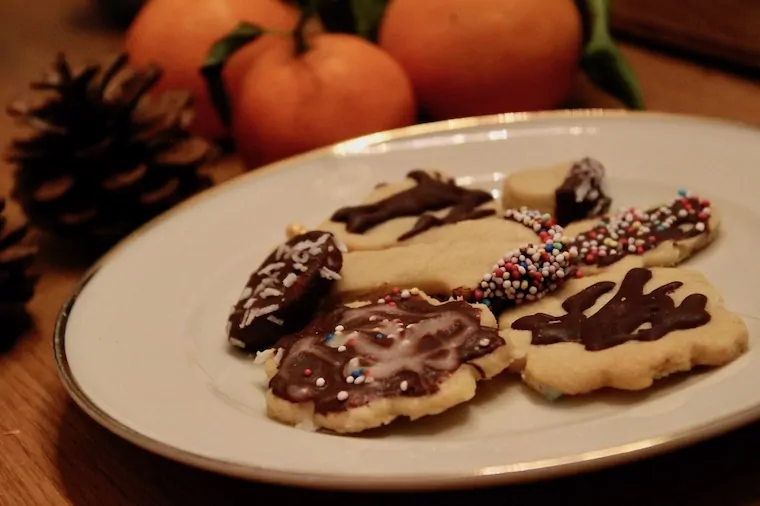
[177,35]
[341,87]
[475,57]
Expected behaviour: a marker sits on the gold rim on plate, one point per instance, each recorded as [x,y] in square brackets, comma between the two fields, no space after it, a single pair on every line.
[487,476]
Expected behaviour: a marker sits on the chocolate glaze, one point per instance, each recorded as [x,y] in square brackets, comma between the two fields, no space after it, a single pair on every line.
[683,219]
[429,194]
[581,195]
[285,292]
[398,361]
[620,319]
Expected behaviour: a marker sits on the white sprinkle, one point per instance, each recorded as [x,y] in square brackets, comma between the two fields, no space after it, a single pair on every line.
[381,301]
[246,293]
[700,227]
[275,320]
[484,342]
[405,294]
[374,318]
[320,382]
[278,356]
[300,257]
[487,277]
[342,395]
[349,379]
[341,348]
[282,249]
[341,247]
[404,385]
[414,291]
[410,325]
[237,342]
[632,248]
[391,336]
[249,303]
[270,292]
[300,267]
[266,271]
[328,273]
[359,380]
[339,328]
[289,279]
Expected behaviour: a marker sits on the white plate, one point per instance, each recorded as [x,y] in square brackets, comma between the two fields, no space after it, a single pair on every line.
[141,345]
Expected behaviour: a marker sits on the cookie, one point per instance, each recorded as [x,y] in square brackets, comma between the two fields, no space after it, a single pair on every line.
[624,329]
[660,236]
[568,191]
[488,267]
[365,364]
[283,294]
[420,209]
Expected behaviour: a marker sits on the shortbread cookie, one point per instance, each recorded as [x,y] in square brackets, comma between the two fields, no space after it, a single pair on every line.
[623,329]
[568,191]
[486,270]
[283,294]
[662,236]
[364,365]
[420,209]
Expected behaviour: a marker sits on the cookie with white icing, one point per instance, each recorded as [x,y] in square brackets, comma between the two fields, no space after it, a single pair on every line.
[624,329]
[569,191]
[365,364]
[283,294]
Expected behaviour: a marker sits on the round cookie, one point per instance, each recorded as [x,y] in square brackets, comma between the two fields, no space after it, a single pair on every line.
[365,364]
[568,191]
[285,291]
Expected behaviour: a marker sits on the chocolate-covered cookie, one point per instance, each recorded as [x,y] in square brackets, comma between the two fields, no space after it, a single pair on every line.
[286,291]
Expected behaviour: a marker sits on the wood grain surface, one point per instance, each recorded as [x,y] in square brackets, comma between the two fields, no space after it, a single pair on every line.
[727,29]
[53,454]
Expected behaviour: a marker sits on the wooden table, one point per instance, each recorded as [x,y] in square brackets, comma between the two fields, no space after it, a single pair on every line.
[52,454]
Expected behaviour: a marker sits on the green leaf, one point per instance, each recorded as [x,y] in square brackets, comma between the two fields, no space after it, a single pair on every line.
[367,15]
[213,65]
[602,61]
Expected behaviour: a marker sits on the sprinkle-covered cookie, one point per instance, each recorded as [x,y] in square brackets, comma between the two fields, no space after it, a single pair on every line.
[363,365]
[663,235]
[285,291]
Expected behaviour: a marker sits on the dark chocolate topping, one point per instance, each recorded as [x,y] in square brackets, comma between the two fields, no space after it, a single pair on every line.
[429,194]
[622,318]
[286,291]
[407,347]
[634,231]
[581,195]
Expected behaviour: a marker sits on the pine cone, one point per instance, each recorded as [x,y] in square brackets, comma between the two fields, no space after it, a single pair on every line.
[16,285]
[101,157]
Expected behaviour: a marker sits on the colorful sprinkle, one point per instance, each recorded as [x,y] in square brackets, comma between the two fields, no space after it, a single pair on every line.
[307,372]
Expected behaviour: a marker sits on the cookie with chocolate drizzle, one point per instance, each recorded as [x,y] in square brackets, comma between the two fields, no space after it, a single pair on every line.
[623,328]
[285,292]
[424,208]
[365,364]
